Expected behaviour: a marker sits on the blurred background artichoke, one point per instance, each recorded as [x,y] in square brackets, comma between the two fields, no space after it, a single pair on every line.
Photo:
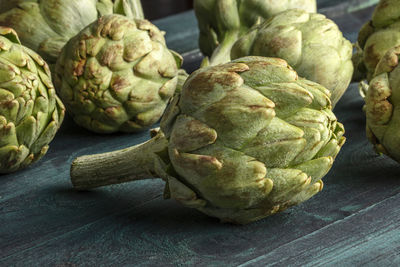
[30,112]
[117,75]
[222,22]
[244,140]
[312,44]
[381,100]
[45,26]
[376,37]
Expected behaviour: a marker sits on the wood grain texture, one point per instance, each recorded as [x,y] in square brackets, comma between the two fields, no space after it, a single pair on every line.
[355,220]
[369,237]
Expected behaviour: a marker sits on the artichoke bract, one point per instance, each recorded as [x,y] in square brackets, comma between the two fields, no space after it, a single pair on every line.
[30,112]
[376,37]
[312,44]
[382,97]
[242,141]
[117,75]
[222,22]
[45,26]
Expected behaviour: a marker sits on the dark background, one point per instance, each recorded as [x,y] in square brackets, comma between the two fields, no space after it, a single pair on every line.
[155,9]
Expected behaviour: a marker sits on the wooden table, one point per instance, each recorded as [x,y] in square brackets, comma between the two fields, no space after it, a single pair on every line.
[355,220]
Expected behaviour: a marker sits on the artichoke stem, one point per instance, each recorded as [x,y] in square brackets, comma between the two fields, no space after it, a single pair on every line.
[129,164]
[222,54]
[137,9]
[129,8]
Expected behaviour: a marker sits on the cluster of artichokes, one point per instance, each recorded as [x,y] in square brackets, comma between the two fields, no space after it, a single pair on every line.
[247,135]
[111,69]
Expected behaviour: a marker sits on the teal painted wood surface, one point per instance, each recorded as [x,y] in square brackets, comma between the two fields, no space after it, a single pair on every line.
[354,221]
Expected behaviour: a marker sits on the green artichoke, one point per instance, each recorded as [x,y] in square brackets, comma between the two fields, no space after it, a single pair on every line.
[376,37]
[243,140]
[117,75]
[382,97]
[45,26]
[30,112]
[222,22]
[312,44]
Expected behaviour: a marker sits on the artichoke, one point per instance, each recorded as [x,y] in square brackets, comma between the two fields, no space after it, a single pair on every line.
[381,98]
[312,44]
[242,141]
[30,112]
[45,26]
[222,22]
[117,75]
[376,37]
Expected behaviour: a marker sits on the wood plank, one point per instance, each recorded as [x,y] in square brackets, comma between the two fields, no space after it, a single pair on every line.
[181,31]
[370,237]
[56,209]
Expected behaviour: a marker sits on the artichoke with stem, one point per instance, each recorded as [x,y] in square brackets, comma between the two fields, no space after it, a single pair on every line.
[46,26]
[222,22]
[242,141]
[117,74]
[381,101]
[30,111]
[312,44]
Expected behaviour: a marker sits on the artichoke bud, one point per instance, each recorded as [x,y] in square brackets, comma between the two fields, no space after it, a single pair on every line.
[242,141]
[223,21]
[312,44]
[376,37]
[381,98]
[46,26]
[118,75]
[30,112]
